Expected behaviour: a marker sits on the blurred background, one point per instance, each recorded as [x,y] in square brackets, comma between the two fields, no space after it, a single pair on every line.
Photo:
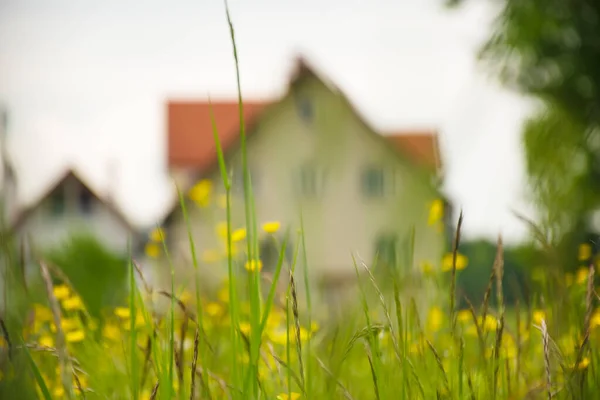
[508,91]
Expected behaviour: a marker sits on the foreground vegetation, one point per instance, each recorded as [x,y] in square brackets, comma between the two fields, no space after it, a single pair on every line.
[245,342]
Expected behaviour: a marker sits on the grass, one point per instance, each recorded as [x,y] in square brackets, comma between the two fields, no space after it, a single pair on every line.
[245,344]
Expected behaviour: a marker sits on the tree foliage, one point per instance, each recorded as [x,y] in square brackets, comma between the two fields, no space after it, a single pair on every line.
[550,50]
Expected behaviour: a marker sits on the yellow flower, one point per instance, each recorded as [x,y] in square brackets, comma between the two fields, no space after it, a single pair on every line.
[221,229]
[583,364]
[582,275]
[245,327]
[67,324]
[436,212]
[434,319]
[279,336]
[157,235]
[200,192]
[213,309]
[122,312]
[290,396]
[271,227]
[152,250]
[595,320]
[490,323]
[75,336]
[58,392]
[61,292]
[111,331]
[253,265]
[238,235]
[73,303]
[464,316]
[585,252]
[46,341]
[538,316]
[42,313]
[461,262]
[210,256]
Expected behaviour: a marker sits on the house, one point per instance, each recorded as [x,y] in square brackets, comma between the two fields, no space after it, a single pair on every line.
[66,207]
[360,192]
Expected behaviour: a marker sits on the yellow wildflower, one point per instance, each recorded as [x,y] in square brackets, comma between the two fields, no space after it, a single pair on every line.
[582,275]
[157,235]
[122,312]
[436,212]
[200,192]
[186,297]
[210,256]
[42,313]
[279,336]
[73,303]
[67,324]
[253,265]
[583,364]
[490,323]
[238,235]
[595,320]
[245,327]
[58,392]
[152,250]
[271,227]
[434,319]
[461,262]
[213,309]
[75,336]
[221,229]
[290,396]
[111,331]
[464,315]
[585,252]
[61,292]
[46,341]
[538,316]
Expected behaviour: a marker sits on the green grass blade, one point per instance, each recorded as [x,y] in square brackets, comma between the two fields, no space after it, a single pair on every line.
[36,372]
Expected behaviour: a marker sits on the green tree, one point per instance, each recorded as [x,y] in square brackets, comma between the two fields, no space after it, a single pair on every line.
[550,50]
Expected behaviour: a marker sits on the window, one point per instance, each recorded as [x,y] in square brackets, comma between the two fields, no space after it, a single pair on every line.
[373,182]
[305,109]
[85,201]
[311,181]
[57,203]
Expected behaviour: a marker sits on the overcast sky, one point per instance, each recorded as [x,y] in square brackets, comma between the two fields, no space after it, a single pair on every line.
[86,84]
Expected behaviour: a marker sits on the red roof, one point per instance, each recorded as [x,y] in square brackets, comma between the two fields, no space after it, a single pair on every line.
[190,131]
[421,147]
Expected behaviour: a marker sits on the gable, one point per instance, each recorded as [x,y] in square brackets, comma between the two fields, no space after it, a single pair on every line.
[70,180]
[191,142]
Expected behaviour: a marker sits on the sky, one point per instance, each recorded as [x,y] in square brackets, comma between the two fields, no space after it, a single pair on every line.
[86,84]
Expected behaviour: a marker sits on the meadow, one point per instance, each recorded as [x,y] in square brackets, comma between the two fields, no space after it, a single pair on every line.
[251,340]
